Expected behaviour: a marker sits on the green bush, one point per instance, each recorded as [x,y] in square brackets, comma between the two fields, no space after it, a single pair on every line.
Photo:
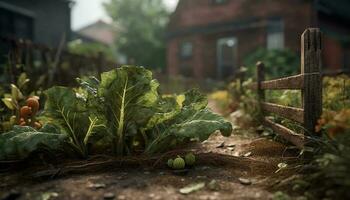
[278,63]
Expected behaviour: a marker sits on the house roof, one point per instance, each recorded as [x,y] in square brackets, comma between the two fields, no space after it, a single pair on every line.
[99,31]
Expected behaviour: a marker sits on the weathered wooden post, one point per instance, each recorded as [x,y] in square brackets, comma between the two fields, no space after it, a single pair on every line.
[311,64]
[260,74]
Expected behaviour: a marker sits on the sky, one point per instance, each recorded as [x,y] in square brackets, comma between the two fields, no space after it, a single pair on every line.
[86,12]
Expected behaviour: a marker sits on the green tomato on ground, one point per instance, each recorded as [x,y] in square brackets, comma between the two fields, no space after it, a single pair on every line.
[179,163]
[190,159]
[170,163]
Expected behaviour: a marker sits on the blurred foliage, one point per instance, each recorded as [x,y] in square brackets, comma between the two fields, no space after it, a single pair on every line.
[13,97]
[336,92]
[222,99]
[243,105]
[142,24]
[91,49]
[278,63]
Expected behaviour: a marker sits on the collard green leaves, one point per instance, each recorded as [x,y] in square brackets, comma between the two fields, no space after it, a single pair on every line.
[191,122]
[23,140]
[122,112]
[129,95]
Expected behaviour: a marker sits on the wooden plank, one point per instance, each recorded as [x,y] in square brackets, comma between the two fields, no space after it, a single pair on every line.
[311,63]
[296,139]
[291,82]
[295,114]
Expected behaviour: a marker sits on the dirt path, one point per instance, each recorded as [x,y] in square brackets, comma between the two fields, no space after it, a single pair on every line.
[221,182]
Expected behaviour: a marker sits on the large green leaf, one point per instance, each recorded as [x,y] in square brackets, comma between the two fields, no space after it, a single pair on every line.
[189,124]
[67,110]
[189,121]
[22,141]
[129,95]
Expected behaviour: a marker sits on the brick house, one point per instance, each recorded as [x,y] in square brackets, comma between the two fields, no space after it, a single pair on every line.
[210,38]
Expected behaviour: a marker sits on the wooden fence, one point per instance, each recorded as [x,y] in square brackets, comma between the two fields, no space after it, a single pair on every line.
[310,84]
[57,66]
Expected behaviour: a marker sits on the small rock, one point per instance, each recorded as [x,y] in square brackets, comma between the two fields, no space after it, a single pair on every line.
[213,185]
[221,145]
[146,172]
[245,181]
[231,148]
[97,185]
[161,173]
[109,195]
[121,197]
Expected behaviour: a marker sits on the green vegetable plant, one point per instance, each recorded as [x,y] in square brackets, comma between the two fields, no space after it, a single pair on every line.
[122,113]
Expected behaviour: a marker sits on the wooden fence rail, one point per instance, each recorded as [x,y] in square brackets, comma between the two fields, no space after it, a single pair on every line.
[310,84]
[59,65]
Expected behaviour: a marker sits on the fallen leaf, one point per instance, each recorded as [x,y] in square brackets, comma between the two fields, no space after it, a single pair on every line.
[247,154]
[245,181]
[109,195]
[192,188]
[221,145]
[231,145]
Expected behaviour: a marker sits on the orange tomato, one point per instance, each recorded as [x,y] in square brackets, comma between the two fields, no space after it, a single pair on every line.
[25,112]
[33,103]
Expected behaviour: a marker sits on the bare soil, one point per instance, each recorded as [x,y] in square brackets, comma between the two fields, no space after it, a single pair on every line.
[254,159]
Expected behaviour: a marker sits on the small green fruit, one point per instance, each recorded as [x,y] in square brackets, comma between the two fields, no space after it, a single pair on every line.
[170,163]
[179,163]
[190,159]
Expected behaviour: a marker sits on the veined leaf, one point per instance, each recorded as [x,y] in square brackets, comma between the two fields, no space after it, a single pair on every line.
[192,121]
[129,95]
[22,141]
[64,109]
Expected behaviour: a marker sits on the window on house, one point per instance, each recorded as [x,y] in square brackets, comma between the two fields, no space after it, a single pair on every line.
[186,50]
[14,24]
[275,34]
[226,57]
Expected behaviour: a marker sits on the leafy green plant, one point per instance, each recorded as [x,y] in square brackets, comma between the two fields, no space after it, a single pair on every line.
[90,49]
[278,63]
[23,140]
[124,112]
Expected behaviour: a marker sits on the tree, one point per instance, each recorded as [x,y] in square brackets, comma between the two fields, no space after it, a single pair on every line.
[142,24]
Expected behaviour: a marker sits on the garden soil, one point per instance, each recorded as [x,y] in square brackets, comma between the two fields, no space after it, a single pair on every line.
[250,175]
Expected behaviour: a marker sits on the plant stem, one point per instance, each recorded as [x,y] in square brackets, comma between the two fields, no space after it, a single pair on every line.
[120,142]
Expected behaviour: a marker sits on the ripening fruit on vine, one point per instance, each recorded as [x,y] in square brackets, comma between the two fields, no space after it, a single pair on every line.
[170,163]
[25,112]
[190,159]
[179,163]
[33,103]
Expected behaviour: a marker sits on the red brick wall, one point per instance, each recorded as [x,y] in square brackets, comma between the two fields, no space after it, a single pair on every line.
[332,53]
[296,15]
